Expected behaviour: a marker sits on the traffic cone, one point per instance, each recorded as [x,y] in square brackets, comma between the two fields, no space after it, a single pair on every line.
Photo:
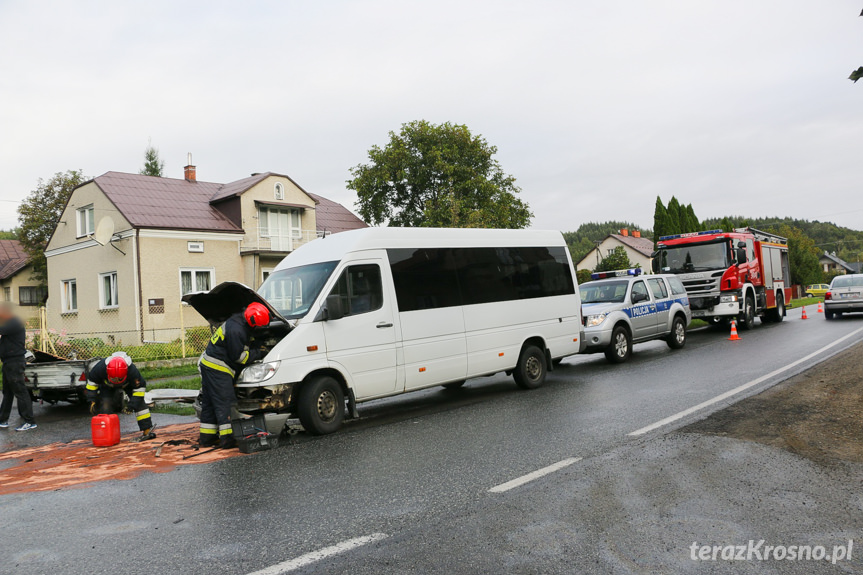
[804,313]
[820,309]
[734,336]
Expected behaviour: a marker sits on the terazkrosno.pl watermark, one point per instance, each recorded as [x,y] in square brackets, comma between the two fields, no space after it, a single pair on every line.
[761,551]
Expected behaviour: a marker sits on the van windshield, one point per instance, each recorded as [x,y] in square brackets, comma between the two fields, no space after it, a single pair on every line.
[292,291]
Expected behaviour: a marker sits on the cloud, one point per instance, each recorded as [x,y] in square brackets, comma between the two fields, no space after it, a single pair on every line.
[595,107]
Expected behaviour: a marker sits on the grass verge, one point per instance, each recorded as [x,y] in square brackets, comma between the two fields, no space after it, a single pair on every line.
[795,303]
[173,409]
[194,383]
[165,372]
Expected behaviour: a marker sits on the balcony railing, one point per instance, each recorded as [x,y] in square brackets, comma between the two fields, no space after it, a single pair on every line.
[258,240]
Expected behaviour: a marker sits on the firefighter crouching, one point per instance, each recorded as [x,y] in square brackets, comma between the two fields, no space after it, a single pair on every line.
[115,373]
[226,355]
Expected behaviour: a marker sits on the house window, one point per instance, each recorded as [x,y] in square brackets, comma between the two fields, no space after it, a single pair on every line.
[69,296]
[7,294]
[108,290]
[281,224]
[29,295]
[86,225]
[194,280]
[279,192]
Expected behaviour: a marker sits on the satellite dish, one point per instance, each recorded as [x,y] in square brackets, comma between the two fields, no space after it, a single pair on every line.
[104,231]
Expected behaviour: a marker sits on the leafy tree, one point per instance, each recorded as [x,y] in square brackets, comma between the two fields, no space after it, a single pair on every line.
[39,214]
[153,165]
[661,222]
[9,234]
[802,255]
[616,260]
[689,221]
[437,175]
[675,225]
[582,276]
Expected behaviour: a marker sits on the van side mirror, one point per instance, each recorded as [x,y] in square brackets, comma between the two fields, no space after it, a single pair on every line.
[333,309]
[639,297]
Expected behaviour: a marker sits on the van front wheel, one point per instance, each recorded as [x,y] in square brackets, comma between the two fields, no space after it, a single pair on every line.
[531,369]
[321,405]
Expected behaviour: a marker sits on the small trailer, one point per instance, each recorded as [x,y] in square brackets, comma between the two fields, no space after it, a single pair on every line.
[53,379]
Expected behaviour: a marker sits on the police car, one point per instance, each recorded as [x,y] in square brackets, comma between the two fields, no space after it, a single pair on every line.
[623,307]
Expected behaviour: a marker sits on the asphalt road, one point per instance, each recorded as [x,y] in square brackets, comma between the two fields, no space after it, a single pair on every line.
[413,475]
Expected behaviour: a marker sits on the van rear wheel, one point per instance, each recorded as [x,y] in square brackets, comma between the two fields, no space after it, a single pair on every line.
[321,405]
[531,369]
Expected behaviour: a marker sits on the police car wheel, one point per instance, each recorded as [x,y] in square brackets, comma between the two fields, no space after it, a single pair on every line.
[677,337]
[621,345]
[321,405]
[531,369]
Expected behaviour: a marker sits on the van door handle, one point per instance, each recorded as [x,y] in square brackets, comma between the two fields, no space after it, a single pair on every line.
[384,324]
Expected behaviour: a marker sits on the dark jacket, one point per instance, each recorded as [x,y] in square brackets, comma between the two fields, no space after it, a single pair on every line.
[98,376]
[12,337]
[230,346]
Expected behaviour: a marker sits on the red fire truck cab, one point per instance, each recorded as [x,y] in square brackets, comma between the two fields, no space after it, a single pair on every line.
[740,275]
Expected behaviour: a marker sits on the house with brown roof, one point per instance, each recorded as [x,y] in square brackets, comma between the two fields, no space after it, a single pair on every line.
[639,250]
[129,246]
[16,287]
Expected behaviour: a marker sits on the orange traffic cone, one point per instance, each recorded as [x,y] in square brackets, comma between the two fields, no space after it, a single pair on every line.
[734,336]
[804,313]
[820,309]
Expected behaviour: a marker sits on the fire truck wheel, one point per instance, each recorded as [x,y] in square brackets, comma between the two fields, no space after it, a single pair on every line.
[621,345]
[677,338]
[747,318]
[777,314]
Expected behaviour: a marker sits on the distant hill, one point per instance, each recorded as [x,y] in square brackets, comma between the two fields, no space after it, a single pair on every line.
[847,243]
[584,239]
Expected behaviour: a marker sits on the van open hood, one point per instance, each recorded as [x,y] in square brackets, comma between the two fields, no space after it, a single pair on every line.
[226,299]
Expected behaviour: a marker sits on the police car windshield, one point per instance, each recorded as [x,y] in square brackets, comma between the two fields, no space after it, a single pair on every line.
[695,257]
[294,290]
[603,292]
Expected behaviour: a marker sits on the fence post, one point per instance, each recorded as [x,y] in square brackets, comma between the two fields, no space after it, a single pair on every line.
[182,333]
[43,330]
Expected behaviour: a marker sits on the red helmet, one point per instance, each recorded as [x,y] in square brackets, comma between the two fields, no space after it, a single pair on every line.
[257,315]
[117,370]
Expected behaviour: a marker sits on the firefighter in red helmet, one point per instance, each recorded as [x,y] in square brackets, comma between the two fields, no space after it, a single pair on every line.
[228,352]
[108,379]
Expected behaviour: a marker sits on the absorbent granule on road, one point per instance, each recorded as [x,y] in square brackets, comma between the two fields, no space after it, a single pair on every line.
[817,414]
[76,463]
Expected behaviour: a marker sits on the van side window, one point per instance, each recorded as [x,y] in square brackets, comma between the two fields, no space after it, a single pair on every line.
[424,278]
[658,287]
[359,287]
[676,286]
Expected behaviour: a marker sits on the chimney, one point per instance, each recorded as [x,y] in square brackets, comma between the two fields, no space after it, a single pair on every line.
[624,232]
[189,169]
[636,234]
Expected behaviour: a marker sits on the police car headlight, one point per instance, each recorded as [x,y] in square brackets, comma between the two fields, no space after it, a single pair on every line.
[727,298]
[594,320]
[258,372]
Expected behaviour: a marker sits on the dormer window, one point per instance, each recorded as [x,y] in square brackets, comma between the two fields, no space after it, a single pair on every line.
[279,193]
[86,223]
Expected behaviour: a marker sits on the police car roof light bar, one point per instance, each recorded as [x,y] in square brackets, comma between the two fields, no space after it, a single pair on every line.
[615,274]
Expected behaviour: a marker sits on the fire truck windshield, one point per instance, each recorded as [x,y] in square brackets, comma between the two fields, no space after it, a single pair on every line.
[694,257]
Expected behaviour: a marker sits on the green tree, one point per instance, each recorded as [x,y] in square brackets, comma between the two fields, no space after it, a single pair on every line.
[39,214]
[616,260]
[153,164]
[675,225]
[802,256]
[9,234]
[437,175]
[690,221]
[582,276]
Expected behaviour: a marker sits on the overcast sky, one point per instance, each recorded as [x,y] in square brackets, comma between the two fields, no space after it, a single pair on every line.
[596,107]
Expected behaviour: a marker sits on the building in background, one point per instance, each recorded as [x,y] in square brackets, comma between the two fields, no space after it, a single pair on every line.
[639,250]
[129,246]
[16,287]
[832,264]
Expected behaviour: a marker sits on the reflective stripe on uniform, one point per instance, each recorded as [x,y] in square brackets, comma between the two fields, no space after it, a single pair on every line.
[138,393]
[92,386]
[216,364]
[139,415]
[209,428]
[225,429]
[244,357]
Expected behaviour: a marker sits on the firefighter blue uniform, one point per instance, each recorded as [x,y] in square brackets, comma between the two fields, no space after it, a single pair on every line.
[226,355]
[103,393]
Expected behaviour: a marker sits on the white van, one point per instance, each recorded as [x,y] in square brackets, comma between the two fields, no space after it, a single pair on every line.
[377,312]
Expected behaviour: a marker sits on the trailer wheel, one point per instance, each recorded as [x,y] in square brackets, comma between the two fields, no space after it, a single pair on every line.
[531,369]
[621,345]
[321,405]
[747,318]
[677,338]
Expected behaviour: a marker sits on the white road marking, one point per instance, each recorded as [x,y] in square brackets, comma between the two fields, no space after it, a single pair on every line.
[533,475]
[309,558]
[736,390]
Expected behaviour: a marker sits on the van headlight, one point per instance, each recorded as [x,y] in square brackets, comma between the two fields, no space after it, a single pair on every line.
[258,372]
[727,298]
[594,320]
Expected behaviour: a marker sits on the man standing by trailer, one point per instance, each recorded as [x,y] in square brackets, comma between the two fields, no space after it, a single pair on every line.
[12,350]
[117,374]
[226,354]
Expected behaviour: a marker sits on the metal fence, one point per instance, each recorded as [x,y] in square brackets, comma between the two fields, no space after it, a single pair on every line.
[99,333]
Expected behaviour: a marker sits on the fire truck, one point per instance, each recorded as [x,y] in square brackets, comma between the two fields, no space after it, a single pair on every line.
[740,275]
